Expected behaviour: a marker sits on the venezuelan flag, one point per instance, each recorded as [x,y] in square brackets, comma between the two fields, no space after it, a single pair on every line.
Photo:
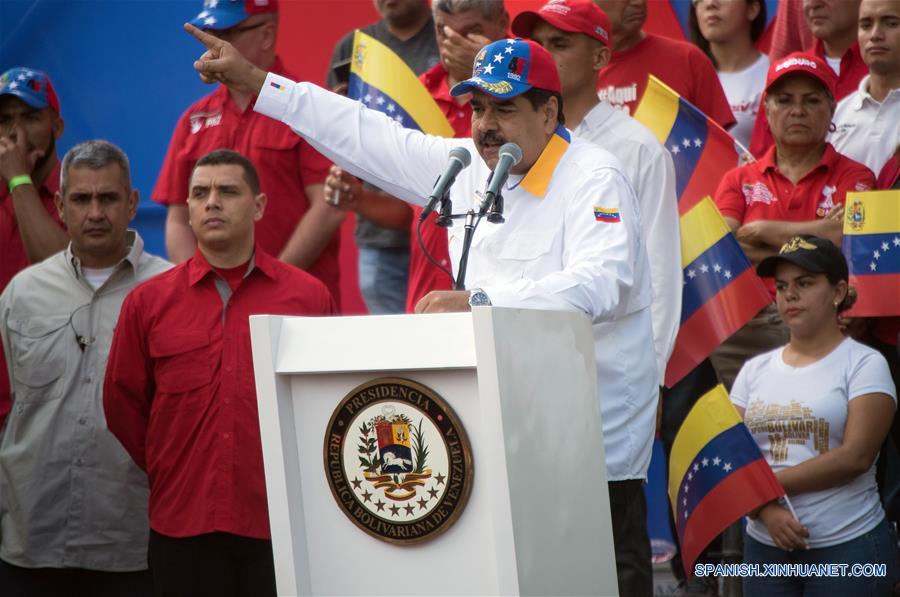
[716,474]
[872,247]
[382,81]
[701,150]
[721,289]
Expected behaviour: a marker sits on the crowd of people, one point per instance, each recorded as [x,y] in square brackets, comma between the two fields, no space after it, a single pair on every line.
[130,454]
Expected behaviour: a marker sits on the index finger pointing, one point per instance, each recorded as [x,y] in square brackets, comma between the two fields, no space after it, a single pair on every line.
[210,41]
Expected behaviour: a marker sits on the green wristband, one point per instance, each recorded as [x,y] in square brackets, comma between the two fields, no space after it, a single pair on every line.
[17,181]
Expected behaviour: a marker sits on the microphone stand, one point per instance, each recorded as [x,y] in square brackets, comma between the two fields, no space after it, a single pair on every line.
[469,228]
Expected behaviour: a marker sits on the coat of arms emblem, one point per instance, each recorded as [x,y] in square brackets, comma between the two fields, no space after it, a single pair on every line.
[398,460]
[856,215]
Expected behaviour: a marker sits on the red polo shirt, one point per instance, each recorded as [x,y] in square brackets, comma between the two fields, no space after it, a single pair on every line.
[424,276]
[853,69]
[180,395]
[286,164]
[758,191]
[13,258]
[678,64]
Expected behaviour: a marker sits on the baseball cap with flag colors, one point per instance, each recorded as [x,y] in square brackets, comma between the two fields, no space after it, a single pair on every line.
[801,62]
[31,86]
[574,16]
[510,67]
[224,14]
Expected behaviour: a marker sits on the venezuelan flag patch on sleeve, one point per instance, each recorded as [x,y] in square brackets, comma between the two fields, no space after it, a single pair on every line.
[606,214]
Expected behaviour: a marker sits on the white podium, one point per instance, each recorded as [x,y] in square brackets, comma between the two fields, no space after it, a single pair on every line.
[523,385]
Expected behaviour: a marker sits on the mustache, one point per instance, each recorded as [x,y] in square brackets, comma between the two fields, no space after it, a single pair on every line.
[491,138]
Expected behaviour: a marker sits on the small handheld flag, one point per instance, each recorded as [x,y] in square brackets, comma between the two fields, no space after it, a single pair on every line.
[717,474]
[872,247]
[383,82]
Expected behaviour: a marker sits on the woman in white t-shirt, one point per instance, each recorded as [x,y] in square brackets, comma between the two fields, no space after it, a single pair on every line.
[819,408]
[726,30]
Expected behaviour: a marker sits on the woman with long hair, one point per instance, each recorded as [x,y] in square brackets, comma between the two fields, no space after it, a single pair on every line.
[819,408]
[727,31]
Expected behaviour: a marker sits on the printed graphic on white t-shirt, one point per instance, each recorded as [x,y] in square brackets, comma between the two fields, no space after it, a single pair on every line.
[744,90]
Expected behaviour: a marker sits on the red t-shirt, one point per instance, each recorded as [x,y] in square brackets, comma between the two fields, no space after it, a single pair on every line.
[678,64]
[853,69]
[424,276]
[180,395]
[286,164]
[13,258]
[758,191]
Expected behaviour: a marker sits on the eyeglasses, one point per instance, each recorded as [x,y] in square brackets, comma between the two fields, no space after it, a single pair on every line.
[232,32]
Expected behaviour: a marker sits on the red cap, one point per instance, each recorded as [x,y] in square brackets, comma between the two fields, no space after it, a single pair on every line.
[801,62]
[574,16]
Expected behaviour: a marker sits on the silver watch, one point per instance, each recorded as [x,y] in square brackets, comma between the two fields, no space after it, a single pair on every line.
[479,298]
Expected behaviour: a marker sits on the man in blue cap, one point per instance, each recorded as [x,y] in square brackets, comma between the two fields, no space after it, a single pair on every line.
[30,124]
[571,240]
[298,226]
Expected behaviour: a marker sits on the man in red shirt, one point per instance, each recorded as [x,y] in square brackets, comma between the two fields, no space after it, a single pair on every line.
[461,33]
[834,26]
[180,396]
[298,227]
[30,227]
[636,54]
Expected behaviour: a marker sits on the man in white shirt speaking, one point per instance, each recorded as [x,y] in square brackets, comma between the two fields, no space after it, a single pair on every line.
[571,240]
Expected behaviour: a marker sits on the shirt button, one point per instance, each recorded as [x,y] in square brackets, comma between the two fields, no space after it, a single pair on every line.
[88,380]
[226,435]
[228,368]
[82,420]
[79,461]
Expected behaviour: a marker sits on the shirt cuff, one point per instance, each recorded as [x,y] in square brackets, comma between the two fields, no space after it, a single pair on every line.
[501,296]
[274,97]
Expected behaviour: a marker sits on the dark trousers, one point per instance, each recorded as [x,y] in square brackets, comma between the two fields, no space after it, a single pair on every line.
[16,581]
[214,565]
[628,508]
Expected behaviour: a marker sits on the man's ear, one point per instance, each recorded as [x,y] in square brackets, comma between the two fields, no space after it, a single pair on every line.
[551,114]
[58,201]
[261,200]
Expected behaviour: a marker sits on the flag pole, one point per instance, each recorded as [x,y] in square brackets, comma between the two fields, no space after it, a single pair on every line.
[791,508]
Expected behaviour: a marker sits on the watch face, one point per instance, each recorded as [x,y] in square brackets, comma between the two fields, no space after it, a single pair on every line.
[478,298]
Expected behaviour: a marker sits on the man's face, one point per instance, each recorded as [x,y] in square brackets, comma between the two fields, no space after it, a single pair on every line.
[96,208]
[458,58]
[578,57]
[829,19]
[222,208]
[879,35]
[40,127]
[626,17]
[401,13]
[497,121]
[253,37]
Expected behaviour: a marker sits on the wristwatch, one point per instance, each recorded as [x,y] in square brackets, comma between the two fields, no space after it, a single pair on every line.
[479,298]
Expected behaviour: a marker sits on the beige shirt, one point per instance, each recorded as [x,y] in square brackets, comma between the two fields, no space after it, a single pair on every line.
[70,496]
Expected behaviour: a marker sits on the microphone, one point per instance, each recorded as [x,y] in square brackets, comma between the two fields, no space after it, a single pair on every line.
[510,155]
[460,158]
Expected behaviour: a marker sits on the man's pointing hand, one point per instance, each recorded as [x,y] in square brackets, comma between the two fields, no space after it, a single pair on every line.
[222,63]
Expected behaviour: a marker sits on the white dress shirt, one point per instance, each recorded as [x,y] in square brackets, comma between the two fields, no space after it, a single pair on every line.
[651,172]
[552,253]
[868,131]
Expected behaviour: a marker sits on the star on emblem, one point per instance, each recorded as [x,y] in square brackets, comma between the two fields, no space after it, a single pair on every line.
[704,268]
[705,461]
[876,254]
[422,503]
[394,510]
[366,496]
[391,107]
[379,100]
[728,274]
[433,493]
[367,98]
[675,150]
[510,41]
[716,461]
[508,50]
[726,467]
[698,143]
[696,467]
[885,246]
[439,478]
[498,57]
[872,266]
[686,142]
[380,505]
[409,509]
[717,268]
[896,241]
[356,483]
[691,274]
[489,69]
